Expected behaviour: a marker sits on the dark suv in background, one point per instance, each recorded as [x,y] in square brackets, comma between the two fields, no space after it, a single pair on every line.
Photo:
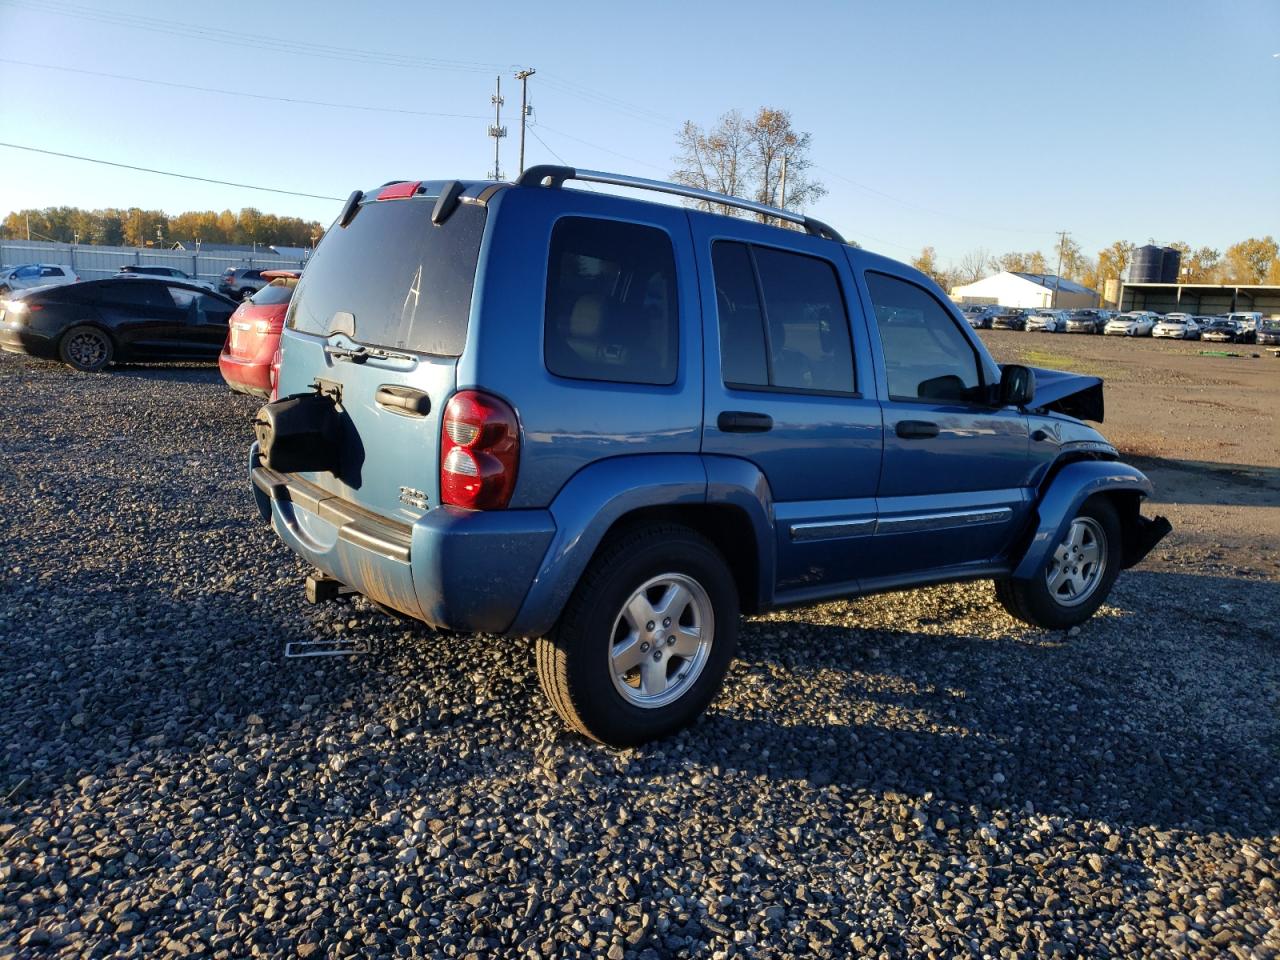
[241,283]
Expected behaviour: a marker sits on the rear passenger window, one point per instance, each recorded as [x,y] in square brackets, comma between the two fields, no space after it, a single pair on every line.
[926,357]
[800,339]
[611,302]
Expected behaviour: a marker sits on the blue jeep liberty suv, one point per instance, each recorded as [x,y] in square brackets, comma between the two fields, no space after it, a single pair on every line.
[617,425]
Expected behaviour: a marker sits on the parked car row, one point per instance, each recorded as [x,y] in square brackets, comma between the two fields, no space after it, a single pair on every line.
[1248,327]
[159,315]
[239,283]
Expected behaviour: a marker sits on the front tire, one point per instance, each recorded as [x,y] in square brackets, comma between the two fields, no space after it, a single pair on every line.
[646,638]
[86,348]
[1077,576]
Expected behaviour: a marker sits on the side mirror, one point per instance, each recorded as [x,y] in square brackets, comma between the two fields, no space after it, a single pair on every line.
[1017,385]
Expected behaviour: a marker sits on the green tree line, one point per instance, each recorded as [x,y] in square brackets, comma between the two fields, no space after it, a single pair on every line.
[135,227]
[1252,261]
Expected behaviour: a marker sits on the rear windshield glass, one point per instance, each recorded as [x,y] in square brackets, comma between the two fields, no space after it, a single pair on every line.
[277,291]
[394,278]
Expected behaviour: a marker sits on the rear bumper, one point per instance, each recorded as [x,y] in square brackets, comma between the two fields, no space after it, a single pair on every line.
[458,569]
[246,376]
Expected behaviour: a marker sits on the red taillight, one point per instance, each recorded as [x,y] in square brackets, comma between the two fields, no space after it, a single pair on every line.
[273,375]
[479,451]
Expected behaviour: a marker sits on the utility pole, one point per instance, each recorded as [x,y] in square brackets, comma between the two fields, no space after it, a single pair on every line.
[523,76]
[497,131]
[782,187]
[1057,276]
[28,228]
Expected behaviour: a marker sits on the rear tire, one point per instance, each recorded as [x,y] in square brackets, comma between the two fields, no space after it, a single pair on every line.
[86,348]
[1077,576]
[645,640]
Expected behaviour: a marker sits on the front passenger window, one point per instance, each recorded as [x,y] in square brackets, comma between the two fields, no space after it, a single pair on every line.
[926,357]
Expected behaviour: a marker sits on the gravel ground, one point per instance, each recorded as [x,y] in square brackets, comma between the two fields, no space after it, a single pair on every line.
[907,775]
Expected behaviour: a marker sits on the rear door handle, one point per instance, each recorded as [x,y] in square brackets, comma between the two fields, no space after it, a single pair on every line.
[916,429]
[738,421]
[405,401]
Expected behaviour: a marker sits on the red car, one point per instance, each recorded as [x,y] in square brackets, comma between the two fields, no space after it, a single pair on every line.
[254,335]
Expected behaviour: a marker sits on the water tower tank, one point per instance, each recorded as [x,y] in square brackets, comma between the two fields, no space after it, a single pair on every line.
[1147,264]
[1169,265]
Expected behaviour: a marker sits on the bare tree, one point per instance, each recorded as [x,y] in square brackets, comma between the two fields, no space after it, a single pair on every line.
[1032,262]
[717,160]
[744,157]
[973,265]
[774,141]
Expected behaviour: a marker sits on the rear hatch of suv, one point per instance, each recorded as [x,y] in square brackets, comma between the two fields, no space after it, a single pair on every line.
[378,321]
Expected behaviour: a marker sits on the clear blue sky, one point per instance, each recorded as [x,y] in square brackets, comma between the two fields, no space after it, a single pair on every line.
[958,125]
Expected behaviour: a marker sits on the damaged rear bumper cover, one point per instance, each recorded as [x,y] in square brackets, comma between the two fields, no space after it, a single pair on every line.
[457,569]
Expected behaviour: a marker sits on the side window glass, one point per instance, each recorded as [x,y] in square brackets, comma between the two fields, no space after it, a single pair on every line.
[808,329]
[611,302]
[926,356]
[742,347]
[213,310]
[27,273]
[51,272]
[182,297]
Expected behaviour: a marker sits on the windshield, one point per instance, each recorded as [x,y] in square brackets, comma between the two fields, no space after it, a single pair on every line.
[277,291]
[1271,325]
[399,280]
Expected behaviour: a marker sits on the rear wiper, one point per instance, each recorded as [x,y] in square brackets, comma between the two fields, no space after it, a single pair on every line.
[362,353]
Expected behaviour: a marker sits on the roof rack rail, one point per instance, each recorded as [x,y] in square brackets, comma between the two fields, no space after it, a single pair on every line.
[550,175]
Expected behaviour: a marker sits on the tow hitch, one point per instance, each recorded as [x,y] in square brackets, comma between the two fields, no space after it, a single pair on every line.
[321,588]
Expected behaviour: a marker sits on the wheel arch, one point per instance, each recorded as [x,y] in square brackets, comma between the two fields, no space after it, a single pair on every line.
[1062,496]
[618,494]
[726,526]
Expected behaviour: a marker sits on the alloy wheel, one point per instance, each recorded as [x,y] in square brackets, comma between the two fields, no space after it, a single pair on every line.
[87,349]
[661,640]
[1078,562]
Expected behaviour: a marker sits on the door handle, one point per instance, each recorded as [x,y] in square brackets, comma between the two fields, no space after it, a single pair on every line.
[738,421]
[405,401]
[916,429]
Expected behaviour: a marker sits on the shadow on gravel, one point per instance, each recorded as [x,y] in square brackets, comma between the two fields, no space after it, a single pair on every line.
[1205,482]
[169,373]
[1075,726]
[1081,727]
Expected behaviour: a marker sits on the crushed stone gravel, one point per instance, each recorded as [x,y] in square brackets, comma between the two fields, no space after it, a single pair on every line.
[912,774]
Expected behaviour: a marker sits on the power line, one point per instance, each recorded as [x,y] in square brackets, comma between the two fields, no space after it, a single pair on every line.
[916,206]
[356,55]
[242,93]
[534,134]
[166,173]
[238,39]
[596,146]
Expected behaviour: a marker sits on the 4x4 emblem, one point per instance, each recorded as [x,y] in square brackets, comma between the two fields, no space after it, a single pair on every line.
[413,498]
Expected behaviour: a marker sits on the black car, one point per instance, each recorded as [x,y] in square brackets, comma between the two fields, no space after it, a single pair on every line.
[88,325]
[1009,319]
[1222,330]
